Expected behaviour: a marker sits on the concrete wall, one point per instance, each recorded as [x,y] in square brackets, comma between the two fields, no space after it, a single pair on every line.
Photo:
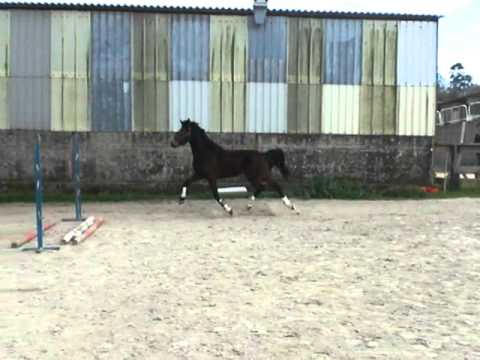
[145,161]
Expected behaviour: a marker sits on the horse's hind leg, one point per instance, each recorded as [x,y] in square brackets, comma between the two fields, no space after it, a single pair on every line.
[258,190]
[286,201]
[224,205]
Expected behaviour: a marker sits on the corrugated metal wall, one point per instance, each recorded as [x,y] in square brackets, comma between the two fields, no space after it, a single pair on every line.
[151,51]
[118,71]
[416,110]
[267,50]
[228,69]
[4,67]
[267,107]
[266,89]
[189,69]
[343,52]
[305,54]
[111,72]
[189,99]
[378,110]
[340,109]
[190,44]
[29,85]
[378,92]
[417,53]
[70,63]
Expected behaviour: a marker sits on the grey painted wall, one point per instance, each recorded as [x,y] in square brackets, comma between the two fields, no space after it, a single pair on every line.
[145,161]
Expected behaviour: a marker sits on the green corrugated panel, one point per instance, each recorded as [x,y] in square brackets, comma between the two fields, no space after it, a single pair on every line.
[305,47]
[304,108]
[228,106]
[379,64]
[228,48]
[228,72]
[70,36]
[150,71]
[377,110]
[4,66]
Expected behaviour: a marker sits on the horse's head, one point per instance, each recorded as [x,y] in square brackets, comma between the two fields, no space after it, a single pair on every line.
[183,135]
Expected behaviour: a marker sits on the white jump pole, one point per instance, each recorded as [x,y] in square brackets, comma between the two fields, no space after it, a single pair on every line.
[232,190]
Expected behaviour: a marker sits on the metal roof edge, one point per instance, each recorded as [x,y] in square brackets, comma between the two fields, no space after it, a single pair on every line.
[214,11]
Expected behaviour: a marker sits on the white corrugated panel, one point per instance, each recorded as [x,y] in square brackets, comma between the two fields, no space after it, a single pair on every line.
[267,107]
[189,99]
[416,110]
[417,53]
[341,109]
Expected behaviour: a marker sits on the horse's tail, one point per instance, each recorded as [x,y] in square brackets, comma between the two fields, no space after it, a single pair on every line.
[276,158]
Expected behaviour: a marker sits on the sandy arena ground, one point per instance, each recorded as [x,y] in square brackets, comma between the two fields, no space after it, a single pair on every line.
[344,280]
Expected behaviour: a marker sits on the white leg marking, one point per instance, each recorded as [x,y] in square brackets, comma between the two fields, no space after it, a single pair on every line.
[225,206]
[289,204]
[184,192]
[249,206]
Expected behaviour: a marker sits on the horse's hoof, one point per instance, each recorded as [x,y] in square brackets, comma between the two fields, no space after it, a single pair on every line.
[181,201]
[230,212]
[249,207]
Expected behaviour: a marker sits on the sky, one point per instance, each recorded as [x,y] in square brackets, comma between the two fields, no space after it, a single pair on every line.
[459,29]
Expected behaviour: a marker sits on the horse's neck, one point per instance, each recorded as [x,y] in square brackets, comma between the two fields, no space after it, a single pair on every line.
[202,144]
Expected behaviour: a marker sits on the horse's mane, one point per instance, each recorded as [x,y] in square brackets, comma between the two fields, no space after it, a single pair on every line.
[203,135]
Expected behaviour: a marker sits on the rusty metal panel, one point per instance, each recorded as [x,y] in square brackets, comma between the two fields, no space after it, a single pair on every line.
[379,54]
[189,99]
[304,108]
[229,48]
[29,86]
[267,107]
[341,109]
[70,60]
[343,51]
[416,110]
[150,52]
[4,67]
[378,110]
[190,47]
[111,72]
[267,50]
[417,53]
[228,103]
[305,50]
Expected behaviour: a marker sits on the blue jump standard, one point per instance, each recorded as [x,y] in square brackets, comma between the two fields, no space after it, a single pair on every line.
[76,179]
[38,182]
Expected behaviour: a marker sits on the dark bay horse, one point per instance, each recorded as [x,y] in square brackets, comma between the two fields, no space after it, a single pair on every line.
[211,162]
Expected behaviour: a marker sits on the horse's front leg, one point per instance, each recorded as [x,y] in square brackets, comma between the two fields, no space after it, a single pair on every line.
[224,205]
[186,184]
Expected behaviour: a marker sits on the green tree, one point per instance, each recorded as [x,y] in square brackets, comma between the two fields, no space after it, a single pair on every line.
[459,80]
